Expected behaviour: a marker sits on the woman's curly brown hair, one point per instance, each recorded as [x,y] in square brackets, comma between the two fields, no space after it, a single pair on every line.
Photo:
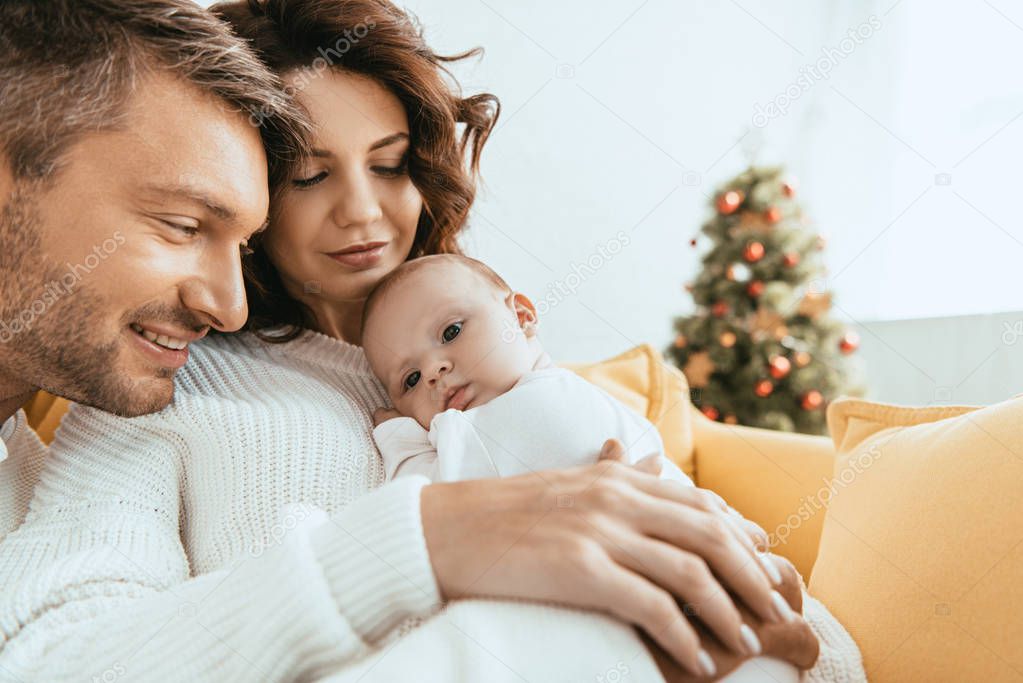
[376,39]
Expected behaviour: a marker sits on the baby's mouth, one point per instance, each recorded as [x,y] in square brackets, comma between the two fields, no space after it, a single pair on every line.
[457,398]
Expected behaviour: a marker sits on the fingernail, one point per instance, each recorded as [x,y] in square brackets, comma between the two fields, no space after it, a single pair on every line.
[750,640]
[781,607]
[772,571]
[707,667]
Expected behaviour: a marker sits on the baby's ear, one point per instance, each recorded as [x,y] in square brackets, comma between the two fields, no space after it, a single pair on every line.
[525,311]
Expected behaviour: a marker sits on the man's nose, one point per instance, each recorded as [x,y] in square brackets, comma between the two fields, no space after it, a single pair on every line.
[217,292]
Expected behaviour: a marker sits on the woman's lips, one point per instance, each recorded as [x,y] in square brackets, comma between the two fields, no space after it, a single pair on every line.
[363,256]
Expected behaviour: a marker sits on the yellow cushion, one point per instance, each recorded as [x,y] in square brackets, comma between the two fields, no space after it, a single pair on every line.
[641,379]
[44,412]
[921,557]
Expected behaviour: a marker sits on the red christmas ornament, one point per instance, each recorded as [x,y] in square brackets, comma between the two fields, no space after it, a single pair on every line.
[753,252]
[763,388]
[849,342]
[692,243]
[719,310]
[802,359]
[710,411]
[812,400]
[728,339]
[729,201]
[780,366]
[791,259]
[773,214]
[755,288]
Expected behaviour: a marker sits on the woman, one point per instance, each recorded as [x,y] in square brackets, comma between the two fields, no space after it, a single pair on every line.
[238,533]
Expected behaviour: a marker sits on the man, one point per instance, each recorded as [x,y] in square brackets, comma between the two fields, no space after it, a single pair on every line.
[130,177]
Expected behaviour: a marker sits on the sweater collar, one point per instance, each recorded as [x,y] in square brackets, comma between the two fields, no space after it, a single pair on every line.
[7,430]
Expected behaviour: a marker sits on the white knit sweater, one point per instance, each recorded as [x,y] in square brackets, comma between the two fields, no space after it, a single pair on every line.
[243,534]
[21,458]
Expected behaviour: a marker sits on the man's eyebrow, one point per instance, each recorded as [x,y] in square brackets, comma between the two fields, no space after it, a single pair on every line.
[194,196]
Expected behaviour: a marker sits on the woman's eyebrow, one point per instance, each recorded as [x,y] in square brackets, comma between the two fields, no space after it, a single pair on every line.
[389,140]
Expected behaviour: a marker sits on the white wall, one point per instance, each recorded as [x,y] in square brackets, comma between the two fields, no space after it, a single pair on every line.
[623,117]
[644,127]
[906,151]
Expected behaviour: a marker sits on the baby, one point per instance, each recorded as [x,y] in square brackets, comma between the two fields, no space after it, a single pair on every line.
[474,393]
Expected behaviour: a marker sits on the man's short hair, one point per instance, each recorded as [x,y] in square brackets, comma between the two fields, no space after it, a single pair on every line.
[402,272]
[69,67]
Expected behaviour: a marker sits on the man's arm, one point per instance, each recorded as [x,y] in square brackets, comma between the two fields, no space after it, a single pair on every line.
[97,579]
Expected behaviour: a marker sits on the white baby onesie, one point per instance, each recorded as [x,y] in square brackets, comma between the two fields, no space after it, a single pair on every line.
[550,419]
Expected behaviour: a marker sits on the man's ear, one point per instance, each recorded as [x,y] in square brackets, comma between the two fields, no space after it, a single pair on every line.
[525,311]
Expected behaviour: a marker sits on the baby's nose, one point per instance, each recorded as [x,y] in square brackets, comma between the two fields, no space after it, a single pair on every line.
[440,369]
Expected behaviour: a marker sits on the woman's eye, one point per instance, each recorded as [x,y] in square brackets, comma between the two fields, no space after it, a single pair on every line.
[411,380]
[392,171]
[451,331]
[309,182]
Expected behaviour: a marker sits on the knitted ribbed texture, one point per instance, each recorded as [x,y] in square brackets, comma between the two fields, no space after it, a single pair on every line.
[225,485]
[840,660]
[21,458]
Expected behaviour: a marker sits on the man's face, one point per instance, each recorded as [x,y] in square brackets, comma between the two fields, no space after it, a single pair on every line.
[444,338]
[131,251]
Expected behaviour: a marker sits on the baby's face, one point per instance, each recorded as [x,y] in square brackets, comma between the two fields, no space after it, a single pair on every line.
[446,338]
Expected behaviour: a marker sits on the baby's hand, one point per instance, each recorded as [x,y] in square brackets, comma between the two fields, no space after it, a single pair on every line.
[384,414]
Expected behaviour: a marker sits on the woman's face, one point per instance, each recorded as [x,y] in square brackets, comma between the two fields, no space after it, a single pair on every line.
[350,216]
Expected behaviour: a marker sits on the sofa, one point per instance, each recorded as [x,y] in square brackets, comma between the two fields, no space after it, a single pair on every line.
[919,554]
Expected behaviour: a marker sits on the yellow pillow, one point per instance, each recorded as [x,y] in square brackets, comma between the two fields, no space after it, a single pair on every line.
[921,557]
[643,381]
[44,412]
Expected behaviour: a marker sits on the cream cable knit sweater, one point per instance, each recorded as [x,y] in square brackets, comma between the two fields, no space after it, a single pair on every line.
[243,534]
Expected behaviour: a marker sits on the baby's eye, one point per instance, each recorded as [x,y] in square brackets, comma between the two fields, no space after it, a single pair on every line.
[451,331]
[411,380]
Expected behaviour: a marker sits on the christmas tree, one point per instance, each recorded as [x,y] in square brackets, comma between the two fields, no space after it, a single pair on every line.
[762,349]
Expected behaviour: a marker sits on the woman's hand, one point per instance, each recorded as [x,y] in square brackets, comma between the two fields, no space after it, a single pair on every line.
[608,537]
[653,464]
[793,641]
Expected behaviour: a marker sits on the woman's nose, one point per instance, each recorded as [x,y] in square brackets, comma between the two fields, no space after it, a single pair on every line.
[357,203]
